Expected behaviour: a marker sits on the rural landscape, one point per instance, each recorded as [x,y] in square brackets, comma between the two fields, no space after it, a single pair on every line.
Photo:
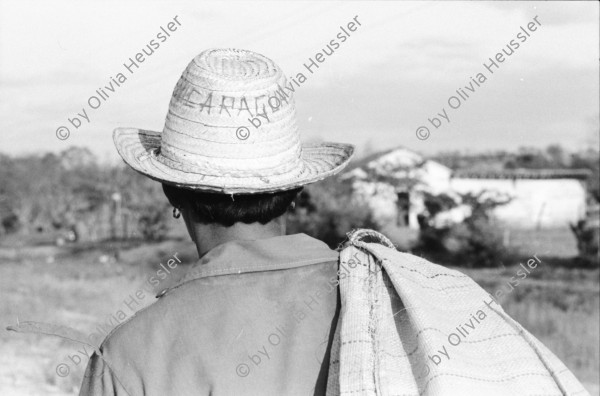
[476,138]
[81,237]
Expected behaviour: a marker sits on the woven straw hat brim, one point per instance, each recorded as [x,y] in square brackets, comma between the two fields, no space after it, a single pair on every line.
[140,149]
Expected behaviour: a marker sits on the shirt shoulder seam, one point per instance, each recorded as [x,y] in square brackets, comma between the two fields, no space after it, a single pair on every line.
[263,268]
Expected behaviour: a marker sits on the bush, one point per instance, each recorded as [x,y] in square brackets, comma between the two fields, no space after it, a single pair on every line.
[152,222]
[476,242]
[326,211]
[587,243]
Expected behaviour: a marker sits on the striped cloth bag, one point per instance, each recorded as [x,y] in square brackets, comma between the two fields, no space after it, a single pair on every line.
[409,327]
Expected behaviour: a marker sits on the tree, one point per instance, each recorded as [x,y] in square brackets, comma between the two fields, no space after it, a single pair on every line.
[474,242]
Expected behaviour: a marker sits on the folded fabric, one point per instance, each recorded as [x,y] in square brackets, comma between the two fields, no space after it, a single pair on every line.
[410,327]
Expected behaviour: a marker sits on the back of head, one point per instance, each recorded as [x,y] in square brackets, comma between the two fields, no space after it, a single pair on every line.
[226,210]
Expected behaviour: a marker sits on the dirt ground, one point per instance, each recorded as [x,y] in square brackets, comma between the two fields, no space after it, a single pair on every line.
[81,287]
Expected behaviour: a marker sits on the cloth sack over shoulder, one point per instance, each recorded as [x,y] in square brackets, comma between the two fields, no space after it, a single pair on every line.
[410,327]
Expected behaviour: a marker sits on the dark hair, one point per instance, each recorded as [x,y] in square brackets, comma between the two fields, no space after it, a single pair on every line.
[227,209]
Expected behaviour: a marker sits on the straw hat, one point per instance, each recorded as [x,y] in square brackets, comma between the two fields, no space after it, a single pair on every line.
[231,128]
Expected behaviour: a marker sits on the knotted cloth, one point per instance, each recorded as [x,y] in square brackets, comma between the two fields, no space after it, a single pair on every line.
[410,327]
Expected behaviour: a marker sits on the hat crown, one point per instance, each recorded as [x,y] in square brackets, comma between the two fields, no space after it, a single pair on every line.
[231,128]
[230,112]
[236,65]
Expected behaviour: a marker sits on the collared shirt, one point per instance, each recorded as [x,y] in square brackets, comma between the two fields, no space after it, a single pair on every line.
[250,318]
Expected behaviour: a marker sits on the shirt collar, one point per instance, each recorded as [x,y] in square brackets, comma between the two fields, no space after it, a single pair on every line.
[270,254]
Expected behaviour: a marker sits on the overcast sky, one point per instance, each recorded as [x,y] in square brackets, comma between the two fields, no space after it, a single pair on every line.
[393,73]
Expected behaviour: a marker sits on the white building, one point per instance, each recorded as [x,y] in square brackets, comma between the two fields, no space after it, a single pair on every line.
[540,198]
[393,184]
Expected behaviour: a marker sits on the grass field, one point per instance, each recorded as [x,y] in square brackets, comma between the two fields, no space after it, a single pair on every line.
[82,287]
[557,242]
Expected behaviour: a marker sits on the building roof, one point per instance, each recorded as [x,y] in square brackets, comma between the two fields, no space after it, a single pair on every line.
[400,151]
[580,174]
[401,159]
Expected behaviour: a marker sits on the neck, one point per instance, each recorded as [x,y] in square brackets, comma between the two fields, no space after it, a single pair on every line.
[207,236]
